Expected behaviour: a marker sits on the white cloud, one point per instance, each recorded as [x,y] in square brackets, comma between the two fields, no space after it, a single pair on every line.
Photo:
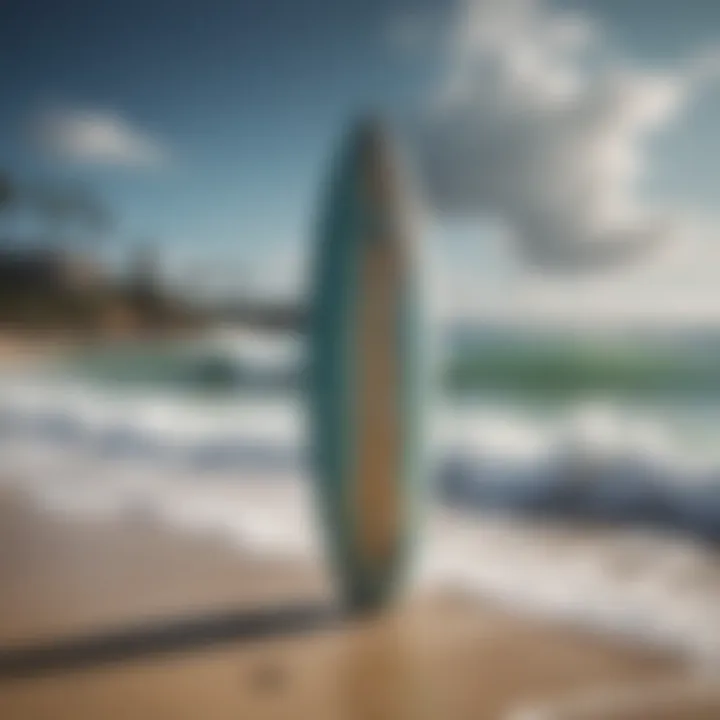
[97,137]
[676,286]
[531,127]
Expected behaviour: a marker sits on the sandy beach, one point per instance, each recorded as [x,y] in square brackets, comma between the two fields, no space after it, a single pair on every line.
[435,655]
[145,586]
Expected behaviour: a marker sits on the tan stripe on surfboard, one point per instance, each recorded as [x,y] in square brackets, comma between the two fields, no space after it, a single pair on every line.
[378,460]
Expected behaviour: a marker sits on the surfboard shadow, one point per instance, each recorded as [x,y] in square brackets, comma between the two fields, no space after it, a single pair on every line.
[165,637]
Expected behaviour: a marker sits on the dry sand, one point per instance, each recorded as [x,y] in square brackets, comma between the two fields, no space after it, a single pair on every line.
[445,656]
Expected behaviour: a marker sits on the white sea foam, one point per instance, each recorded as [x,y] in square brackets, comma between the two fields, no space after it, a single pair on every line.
[237,469]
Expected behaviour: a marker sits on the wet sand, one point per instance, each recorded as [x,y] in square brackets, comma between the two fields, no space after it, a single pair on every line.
[443,655]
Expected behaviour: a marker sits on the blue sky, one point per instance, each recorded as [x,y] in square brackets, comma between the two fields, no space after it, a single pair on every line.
[223,114]
[244,98]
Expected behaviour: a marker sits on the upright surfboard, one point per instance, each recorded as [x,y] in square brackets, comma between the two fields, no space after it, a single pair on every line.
[365,380]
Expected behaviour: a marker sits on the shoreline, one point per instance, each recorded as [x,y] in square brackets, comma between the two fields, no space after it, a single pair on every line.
[63,576]
[647,591]
[17,347]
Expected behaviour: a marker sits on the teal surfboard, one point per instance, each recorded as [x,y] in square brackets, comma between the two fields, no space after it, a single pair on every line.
[365,362]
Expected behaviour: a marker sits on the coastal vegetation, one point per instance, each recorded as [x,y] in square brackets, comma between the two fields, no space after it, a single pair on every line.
[51,275]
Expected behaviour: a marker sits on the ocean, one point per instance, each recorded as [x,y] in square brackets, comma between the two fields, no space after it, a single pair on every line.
[573,474]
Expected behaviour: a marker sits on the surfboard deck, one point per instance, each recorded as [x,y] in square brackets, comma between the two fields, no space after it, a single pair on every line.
[365,360]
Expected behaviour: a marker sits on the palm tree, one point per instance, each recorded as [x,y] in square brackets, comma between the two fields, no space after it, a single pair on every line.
[6,191]
[71,209]
[92,215]
[12,198]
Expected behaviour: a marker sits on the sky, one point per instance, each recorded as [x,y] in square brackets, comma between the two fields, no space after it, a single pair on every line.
[566,149]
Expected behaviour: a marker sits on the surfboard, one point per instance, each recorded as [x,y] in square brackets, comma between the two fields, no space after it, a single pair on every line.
[366,360]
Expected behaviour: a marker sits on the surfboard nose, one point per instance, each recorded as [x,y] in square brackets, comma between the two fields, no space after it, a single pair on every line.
[381,191]
[372,133]
[375,145]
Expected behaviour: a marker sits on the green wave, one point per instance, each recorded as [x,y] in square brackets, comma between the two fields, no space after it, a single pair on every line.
[571,368]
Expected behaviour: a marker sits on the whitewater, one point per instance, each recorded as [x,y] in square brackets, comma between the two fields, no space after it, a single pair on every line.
[592,515]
